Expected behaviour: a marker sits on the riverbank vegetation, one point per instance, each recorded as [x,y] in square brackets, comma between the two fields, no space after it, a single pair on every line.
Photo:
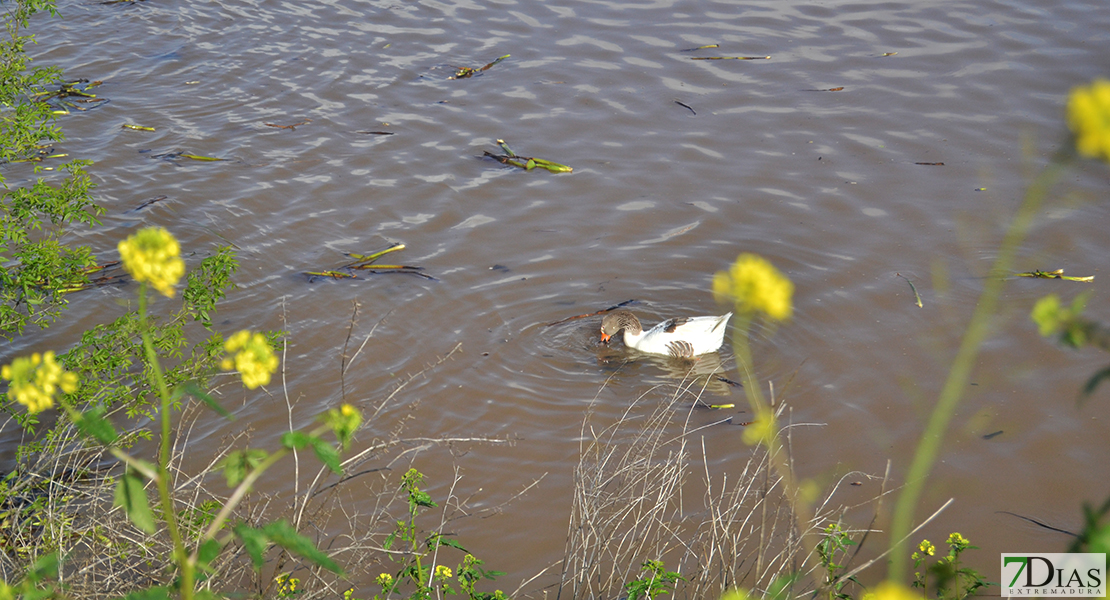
[104,501]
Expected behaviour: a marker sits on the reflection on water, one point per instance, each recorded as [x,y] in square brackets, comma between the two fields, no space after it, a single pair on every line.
[826,185]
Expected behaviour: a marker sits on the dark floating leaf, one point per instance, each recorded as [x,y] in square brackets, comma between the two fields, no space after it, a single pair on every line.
[930,164]
[730,57]
[593,314]
[376,132]
[684,105]
[464,72]
[992,434]
[147,203]
[525,162]
[293,126]
[1057,274]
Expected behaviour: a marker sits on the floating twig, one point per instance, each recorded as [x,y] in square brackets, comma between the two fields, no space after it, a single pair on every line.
[147,203]
[1057,274]
[684,105]
[701,47]
[173,155]
[464,72]
[293,126]
[888,54]
[136,127]
[376,132]
[730,57]
[593,314]
[916,296]
[525,162]
[930,164]
[835,89]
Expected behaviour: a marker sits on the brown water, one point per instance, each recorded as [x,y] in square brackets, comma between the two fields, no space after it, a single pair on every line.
[826,185]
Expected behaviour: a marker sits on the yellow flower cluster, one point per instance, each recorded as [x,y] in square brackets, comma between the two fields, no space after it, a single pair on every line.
[253,358]
[889,590]
[36,379]
[755,285]
[153,256]
[1088,115]
[443,573]
[385,580]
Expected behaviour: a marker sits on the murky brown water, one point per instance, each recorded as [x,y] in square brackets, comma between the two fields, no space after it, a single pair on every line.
[824,184]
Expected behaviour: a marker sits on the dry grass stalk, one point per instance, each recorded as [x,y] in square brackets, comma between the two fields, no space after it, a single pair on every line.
[632,503]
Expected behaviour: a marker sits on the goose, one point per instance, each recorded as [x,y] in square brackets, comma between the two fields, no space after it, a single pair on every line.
[680,337]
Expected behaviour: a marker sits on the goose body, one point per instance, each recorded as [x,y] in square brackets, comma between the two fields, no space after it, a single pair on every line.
[681,337]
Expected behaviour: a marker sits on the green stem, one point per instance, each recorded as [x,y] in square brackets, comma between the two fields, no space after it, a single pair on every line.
[184,564]
[959,375]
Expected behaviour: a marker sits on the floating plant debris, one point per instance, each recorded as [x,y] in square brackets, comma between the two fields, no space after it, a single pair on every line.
[376,132]
[101,281]
[43,153]
[69,95]
[136,127]
[464,72]
[366,262]
[888,54]
[174,155]
[730,57]
[1057,274]
[835,89]
[916,296]
[684,105]
[593,314]
[524,162]
[930,164]
[701,47]
[147,203]
[293,126]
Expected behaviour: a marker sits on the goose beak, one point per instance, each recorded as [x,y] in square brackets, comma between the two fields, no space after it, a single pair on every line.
[605,337]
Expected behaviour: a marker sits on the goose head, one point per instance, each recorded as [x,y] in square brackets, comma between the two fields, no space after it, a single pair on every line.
[618,320]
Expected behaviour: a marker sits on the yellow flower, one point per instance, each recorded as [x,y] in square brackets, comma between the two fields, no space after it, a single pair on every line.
[287,585]
[443,573]
[385,580]
[889,590]
[254,359]
[153,255]
[956,539]
[35,380]
[927,548]
[759,431]
[1088,115]
[755,285]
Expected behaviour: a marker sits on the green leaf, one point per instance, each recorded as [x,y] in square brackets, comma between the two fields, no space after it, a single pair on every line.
[422,498]
[132,497]
[254,542]
[194,390]
[327,455]
[452,543]
[208,551]
[93,424]
[239,463]
[295,440]
[154,593]
[282,534]
[44,568]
